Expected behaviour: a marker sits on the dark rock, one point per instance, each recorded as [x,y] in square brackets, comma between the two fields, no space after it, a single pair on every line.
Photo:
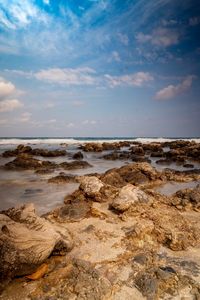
[48,153]
[164,161]
[188,166]
[78,155]
[75,165]
[75,210]
[141,259]
[157,154]
[147,284]
[137,150]
[24,161]
[62,178]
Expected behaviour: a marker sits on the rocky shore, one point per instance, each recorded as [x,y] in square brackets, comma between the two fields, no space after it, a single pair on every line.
[115,237]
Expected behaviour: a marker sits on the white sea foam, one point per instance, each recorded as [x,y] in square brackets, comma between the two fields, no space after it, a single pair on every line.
[71,141]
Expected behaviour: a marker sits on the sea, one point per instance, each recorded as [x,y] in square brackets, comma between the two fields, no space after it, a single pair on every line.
[21,187]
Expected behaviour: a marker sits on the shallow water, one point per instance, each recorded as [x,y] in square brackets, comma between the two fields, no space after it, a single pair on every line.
[24,186]
[18,187]
[170,188]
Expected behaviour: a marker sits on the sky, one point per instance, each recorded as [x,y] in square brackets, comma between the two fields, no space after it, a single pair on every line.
[93,68]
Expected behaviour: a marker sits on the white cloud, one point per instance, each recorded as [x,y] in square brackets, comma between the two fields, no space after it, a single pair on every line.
[47,2]
[9,105]
[19,13]
[123,38]
[116,56]
[172,91]
[6,88]
[89,122]
[70,125]
[25,117]
[162,37]
[77,76]
[7,91]
[136,79]
[77,103]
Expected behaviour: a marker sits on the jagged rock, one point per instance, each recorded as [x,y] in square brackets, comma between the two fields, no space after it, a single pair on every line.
[90,185]
[134,173]
[27,241]
[128,196]
[187,198]
[21,149]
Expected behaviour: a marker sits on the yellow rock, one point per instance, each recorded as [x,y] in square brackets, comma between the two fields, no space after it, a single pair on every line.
[39,273]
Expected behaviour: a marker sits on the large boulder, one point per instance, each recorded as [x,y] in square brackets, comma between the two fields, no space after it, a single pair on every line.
[90,185]
[128,196]
[27,240]
[134,173]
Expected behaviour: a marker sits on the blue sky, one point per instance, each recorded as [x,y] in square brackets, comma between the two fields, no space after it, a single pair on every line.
[99,68]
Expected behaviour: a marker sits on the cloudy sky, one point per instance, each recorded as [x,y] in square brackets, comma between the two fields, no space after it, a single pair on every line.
[99,68]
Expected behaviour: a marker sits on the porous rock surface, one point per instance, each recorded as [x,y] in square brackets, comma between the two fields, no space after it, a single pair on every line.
[26,241]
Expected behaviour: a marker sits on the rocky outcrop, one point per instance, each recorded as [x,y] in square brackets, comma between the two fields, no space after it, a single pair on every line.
[135,173]
[21,149]
[25,161]
[91,189]
[92,147]
[187,199]
[27,241]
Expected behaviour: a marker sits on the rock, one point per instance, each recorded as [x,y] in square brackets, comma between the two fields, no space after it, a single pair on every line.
[128,196]
[90,185]
[137,150]
[139,158]
[62,178]
[134,173]
[39,273]
[188,166]
[152,147]
[78,155]
[187,198]
[112,156]
[25,161]
[21,149]
[148,285]
[157,154]
[48,153]
[74,210]
[164,161]
[92,147]
[27,241]
[75,165]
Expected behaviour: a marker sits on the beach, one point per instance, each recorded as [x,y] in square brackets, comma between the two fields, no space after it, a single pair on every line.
[101,219]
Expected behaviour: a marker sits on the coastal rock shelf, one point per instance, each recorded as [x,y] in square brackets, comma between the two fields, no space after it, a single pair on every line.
[115,236]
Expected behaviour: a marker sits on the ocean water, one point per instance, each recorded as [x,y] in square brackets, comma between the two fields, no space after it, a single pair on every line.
[18,187]
[79,140]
